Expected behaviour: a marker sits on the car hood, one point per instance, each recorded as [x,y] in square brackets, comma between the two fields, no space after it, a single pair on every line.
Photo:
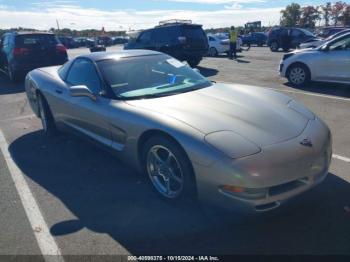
[260,115]
[305,50]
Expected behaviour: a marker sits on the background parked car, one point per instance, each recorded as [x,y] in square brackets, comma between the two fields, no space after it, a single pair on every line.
[105,40]
[177,38]
[330,30]
[21,52]
[119,40]
[328,63]
[218,44]
[287,37]
[258,39]
[68,42]
[83,42]
[313,43]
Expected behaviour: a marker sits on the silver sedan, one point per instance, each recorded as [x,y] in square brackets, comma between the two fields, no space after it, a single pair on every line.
[240,147]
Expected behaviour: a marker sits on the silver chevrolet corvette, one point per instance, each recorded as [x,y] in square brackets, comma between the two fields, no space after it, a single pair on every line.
[240,147]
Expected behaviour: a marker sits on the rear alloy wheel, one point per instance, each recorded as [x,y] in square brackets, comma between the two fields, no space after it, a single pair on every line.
[274,46]
[298,75]
[46,117]
[168,169]
[213,52]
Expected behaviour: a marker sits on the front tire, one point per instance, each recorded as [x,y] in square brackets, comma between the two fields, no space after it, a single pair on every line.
[168,169]
[274,46]
[46,117]
[298,75]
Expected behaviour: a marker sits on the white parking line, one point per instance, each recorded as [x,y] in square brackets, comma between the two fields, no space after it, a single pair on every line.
[293,91]
[46,242]
[310,94]
[342,158]
[17,118]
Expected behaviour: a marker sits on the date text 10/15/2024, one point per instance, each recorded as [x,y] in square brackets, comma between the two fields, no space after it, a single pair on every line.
[173,258]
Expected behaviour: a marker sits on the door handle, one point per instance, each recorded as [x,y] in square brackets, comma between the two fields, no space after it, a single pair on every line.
[58,91]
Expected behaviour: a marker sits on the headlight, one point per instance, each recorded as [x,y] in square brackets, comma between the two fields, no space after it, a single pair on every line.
[301,109]
[232,144]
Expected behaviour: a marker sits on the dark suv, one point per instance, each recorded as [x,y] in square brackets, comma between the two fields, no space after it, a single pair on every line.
[21,52]
[182,40]
[287,37]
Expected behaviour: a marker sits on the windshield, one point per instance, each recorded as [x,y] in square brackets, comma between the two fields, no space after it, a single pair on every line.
[308,33]
[338,34]
[150,76]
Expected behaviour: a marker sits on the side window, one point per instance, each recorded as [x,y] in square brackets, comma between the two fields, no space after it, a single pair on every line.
[341,45]
[145,37]
[83,72]
[167,35]
[62,72]
[211,39]
[296,33]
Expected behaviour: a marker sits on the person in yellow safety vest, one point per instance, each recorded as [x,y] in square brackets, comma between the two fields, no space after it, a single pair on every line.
[233,43]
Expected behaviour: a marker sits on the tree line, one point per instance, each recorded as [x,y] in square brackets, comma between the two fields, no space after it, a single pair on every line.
[337,14]
[69,32]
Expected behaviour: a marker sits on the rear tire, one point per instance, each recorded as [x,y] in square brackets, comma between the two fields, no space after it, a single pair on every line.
[193,62]
[274,46]
[47,120]
[298,75]
[213,52]
[169,170]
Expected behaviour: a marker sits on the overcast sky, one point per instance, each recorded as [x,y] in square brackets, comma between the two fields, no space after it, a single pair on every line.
[137,14]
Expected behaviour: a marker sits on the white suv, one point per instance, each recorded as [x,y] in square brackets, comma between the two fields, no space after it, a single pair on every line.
[327,63]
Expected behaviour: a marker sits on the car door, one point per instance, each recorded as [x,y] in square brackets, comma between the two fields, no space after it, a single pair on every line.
[84,114]
[334,62]
[3,52]
[297,37]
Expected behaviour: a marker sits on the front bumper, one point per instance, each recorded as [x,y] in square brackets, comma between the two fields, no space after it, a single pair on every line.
[282,70]
[284,170]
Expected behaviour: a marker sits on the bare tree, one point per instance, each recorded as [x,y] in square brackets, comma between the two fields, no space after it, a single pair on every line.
[337,11]
[291,15]
[309,16]
[345,17]
[327,12]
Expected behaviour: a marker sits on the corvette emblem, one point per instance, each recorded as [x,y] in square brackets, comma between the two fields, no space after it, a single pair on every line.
[306,142]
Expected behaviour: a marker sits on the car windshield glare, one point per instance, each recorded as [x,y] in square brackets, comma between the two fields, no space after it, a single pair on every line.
[150,76]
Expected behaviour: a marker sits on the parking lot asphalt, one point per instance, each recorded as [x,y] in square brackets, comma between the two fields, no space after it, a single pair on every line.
[94,204]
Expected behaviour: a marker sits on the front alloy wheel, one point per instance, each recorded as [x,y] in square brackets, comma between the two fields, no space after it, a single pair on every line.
[298,75]
[168,169]
[165,171]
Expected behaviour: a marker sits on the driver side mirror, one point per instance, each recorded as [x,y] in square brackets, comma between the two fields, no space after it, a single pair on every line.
[82,91]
